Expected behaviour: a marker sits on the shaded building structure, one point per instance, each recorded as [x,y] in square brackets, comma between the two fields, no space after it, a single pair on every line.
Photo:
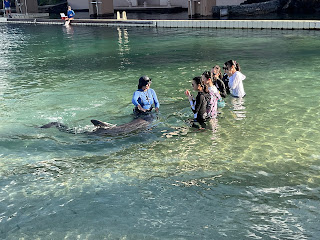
[127,4]
[204,7]
[26,6]
[97,8]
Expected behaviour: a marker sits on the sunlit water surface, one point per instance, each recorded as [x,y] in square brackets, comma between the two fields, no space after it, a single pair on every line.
[255,177]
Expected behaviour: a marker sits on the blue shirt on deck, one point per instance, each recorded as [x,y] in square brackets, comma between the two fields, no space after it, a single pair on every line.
[70,14]
[7,4]
[145,98]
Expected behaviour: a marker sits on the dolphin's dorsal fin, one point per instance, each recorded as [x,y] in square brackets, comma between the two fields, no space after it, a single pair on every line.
[98,123]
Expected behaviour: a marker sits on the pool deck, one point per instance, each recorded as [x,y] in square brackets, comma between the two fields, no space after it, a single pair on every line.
[223,24]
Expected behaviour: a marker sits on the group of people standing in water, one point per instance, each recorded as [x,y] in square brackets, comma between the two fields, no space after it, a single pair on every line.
[211,86]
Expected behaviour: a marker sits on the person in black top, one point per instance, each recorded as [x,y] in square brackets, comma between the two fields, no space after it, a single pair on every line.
[225,80]
[199,105]
[216,78]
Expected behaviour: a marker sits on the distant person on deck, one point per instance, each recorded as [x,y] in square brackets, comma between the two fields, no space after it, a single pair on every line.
[70,15]
[7,7]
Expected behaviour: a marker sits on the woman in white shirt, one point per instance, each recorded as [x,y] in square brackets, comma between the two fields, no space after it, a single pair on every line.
[235,78]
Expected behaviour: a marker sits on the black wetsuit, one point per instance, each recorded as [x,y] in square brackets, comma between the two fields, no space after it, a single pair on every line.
[201,107]
[221,87]
[225,80]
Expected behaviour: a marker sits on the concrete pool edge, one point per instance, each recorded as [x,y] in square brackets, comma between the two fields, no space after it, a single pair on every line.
[220,24]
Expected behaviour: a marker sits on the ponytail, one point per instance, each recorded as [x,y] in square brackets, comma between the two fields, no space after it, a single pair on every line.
[207,74]
[199,81]
[237,66]
[231,63]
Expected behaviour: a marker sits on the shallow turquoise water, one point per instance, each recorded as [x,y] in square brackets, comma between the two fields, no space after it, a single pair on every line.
[255,177]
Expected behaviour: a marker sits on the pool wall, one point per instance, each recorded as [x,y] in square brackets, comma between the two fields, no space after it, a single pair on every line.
[224,24]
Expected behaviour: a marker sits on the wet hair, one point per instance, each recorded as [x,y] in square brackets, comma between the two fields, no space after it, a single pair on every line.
[231,63]
[143,81]
[198,81]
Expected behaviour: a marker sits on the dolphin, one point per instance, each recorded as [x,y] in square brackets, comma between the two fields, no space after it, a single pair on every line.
[113,130]
[103,128]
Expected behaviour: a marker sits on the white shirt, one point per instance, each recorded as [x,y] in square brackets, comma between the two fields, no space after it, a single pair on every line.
[236,85]
[213,89]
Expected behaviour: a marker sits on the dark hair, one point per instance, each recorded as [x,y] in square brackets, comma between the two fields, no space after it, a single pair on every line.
[206,74]
[231,63]
[143,81]
[199,81]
